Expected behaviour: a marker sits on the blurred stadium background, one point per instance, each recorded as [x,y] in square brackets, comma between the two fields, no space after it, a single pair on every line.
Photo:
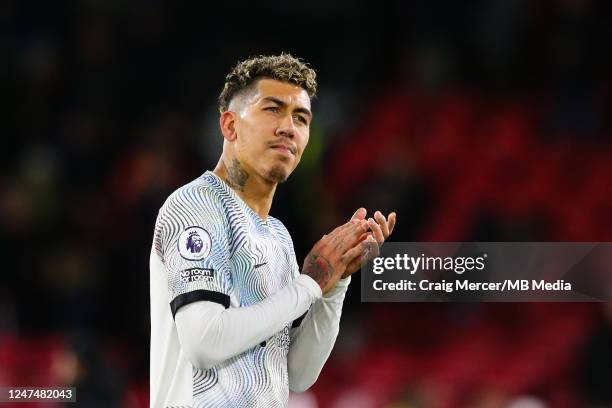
[487,121]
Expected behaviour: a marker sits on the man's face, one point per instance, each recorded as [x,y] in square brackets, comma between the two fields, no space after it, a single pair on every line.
[272,129]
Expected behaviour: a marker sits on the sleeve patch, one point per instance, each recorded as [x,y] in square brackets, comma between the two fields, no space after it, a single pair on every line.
[197,274]
[194,244]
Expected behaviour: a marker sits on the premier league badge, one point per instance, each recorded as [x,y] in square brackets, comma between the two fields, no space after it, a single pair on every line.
[194,244]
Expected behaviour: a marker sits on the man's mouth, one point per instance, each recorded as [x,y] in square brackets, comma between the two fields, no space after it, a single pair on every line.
[284,148]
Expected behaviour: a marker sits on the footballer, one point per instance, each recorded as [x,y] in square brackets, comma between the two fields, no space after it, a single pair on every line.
[234,321]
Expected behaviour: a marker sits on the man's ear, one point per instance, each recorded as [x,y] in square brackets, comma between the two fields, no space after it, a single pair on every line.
[227,122]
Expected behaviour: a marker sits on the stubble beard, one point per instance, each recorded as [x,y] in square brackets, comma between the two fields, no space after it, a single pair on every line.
[277,174]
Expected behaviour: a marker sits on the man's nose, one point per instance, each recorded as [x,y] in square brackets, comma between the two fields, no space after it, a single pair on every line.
[286,127]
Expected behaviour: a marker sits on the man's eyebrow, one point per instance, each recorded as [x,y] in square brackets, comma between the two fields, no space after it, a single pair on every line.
[282,104]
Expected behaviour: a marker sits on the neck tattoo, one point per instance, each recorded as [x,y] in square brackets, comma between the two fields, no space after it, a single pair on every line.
[236,175]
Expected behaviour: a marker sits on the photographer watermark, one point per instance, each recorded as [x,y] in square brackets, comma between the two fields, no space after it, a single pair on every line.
[489,271]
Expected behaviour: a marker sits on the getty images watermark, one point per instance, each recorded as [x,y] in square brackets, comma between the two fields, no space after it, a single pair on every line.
[489,271]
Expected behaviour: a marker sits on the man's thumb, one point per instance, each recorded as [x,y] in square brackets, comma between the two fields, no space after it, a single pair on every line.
[360,214]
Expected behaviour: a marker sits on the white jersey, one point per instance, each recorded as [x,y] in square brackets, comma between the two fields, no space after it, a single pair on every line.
[209,245]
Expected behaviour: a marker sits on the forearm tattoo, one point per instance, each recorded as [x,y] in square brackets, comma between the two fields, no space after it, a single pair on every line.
[318,268]
[237,176]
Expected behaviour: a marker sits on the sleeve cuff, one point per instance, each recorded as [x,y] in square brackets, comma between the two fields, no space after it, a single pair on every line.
[198,295]
[340,288]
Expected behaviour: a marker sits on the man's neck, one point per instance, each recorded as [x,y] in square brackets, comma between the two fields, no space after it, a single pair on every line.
[255,191]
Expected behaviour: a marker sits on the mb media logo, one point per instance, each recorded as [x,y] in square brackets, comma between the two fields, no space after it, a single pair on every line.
[197,274]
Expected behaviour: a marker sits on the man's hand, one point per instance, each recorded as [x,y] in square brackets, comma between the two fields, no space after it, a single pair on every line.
[327,261]
[380,229]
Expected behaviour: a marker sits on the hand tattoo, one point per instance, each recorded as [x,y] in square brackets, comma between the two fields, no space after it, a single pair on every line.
[318,268]
[237,176]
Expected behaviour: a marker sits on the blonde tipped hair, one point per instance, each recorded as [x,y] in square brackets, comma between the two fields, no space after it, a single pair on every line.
[283,67]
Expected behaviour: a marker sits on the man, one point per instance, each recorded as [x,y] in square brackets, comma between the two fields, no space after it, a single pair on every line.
[234,322]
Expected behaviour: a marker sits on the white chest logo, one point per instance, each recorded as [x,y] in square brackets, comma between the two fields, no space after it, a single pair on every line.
[194,244]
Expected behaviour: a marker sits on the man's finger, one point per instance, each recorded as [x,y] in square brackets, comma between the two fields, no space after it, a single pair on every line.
[351,236]
[392,220]
[340,229]
[355,264]
[382,222]
[356,253]
[360,214]
[371,250]
[348,237]
[376,230]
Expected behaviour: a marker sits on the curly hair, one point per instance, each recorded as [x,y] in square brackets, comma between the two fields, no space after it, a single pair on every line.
[283,67]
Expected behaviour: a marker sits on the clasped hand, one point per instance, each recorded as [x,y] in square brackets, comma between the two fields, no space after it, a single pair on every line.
[341,253]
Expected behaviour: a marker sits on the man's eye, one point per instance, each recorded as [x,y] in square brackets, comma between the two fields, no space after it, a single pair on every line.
[301,119]
[271,109]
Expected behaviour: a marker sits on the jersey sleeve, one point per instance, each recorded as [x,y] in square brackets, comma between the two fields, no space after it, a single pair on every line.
[284,235]
[192,239]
